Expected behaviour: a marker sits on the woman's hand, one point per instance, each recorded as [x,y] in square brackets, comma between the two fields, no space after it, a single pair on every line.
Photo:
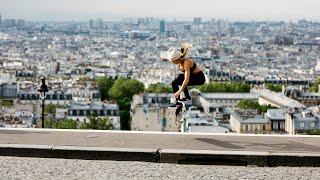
[177,94]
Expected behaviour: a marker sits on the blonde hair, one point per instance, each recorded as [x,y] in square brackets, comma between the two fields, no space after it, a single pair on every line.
[185,49]
[174,54]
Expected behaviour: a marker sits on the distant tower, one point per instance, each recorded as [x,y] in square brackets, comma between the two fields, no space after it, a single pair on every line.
[91,24]
[214,49]
[20,23]
[162,26]
[197,20]
[57,67]
[99,23]
[213,25]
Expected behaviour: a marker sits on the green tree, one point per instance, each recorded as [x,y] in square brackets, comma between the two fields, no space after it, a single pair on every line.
[125,119]
[248,104]
[122,91]
[104,124]
[49,123]
[98,123]
[50,109]
[233,87]
[251,104]
[105,83]
[314,132]
[7,103]
[61,124]
[159,88]
[274,87]
[315,86]
[125,88]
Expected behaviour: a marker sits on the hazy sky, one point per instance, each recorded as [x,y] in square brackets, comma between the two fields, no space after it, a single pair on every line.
[116,9]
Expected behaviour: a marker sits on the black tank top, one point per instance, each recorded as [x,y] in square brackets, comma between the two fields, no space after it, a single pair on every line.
[194,66]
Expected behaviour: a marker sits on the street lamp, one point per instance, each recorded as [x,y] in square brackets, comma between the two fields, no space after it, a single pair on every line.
[43,90]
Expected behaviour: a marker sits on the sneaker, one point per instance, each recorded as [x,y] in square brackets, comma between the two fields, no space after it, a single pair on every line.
[177,104]
[183,100]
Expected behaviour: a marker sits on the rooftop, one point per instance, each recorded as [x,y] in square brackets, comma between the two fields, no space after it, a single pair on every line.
[230,95]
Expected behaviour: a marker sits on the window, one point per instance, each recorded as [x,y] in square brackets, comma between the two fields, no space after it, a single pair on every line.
[275,125]
[312,125]
[302,125]
[164,122]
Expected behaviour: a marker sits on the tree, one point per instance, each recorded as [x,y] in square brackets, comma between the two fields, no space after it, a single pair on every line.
[125,88]
[125,119]
[233,87]
[104,124]
[98,123]
[314,132]
[50,109]
[251,104]
[66,124]
[61,124]
[274,87]
[315,86]
[122,91]
[159,88]
[248,104]
[49,123]
[6,103]
[105,83]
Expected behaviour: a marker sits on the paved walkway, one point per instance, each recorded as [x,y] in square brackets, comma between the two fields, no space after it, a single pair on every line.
[169,144]
[73,169]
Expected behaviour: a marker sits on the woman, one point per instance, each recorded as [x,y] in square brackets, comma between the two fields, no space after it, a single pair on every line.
[192,74]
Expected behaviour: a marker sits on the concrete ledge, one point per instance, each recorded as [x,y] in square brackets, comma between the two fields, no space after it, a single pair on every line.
[294,159]
[239,158]
[207,157]
[22,150]
[100,153]
[162,147]
[178,156]
[72,152]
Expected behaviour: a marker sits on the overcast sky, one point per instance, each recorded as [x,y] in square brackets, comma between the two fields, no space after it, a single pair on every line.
[117,9]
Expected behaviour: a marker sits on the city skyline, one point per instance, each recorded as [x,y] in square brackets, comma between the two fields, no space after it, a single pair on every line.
[113,11]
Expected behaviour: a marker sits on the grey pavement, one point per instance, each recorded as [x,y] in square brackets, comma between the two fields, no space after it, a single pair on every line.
[41,168]
[262,150]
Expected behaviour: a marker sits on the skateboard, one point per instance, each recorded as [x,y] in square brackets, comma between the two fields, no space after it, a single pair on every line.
[178,114]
